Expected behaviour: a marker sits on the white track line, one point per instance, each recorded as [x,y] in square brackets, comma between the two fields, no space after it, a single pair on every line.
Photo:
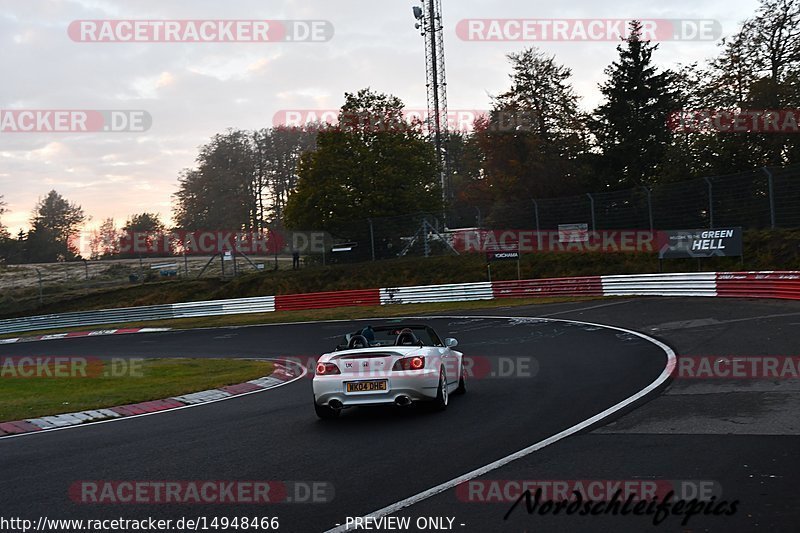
[122,419]
[587,308]
[438,489]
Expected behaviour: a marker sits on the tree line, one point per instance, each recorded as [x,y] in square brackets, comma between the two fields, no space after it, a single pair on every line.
[536,141]
[628,141]
[54,234]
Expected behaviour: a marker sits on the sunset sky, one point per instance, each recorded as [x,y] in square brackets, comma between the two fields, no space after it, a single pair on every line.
[194,90]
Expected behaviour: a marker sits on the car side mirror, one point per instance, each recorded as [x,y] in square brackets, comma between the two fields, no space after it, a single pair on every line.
[451,343]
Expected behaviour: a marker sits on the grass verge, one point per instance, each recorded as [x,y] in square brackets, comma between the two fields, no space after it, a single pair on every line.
[145,380]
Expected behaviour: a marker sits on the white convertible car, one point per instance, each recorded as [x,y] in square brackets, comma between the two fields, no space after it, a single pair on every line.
[394,364]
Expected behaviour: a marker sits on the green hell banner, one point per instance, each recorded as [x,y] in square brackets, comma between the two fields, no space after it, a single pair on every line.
[682,244]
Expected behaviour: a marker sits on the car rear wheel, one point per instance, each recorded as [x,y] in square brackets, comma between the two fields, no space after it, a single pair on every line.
[462,382]
[442,396]
[325,412]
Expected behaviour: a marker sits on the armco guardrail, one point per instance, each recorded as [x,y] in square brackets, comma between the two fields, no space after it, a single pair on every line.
[460,292]
[327,300]
[262,304]
[548,288]
[696,284]
[784,285]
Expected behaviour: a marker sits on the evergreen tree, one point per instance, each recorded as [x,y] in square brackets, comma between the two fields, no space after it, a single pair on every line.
[630,127]
[54,226]
[533,144]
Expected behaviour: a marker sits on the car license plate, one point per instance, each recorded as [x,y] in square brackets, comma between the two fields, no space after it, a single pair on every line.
[367,386]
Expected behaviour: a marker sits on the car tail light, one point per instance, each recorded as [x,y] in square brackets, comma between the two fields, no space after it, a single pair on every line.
[410,363]
[327,369]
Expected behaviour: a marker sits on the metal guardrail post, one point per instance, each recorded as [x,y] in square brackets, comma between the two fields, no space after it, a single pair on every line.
[710,203]
[591,204]
[770,181]
[371,238]
[41,284]
[649,194]
[425,238]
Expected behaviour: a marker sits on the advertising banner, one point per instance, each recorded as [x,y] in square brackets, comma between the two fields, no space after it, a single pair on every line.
[682,244]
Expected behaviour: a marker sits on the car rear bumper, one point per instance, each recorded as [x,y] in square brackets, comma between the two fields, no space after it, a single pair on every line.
[417,386]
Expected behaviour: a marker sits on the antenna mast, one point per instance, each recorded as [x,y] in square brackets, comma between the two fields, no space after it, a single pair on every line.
[429,22]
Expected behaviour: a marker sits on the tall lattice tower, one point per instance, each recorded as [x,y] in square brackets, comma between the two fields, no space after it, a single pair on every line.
[429,22]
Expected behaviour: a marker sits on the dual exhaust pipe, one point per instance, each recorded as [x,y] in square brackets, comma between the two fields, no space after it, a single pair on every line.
[402,401]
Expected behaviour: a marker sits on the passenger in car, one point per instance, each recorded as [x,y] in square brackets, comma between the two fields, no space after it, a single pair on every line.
[369,333]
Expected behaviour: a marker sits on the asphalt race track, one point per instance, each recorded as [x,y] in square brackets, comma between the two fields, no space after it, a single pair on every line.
[742,435]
